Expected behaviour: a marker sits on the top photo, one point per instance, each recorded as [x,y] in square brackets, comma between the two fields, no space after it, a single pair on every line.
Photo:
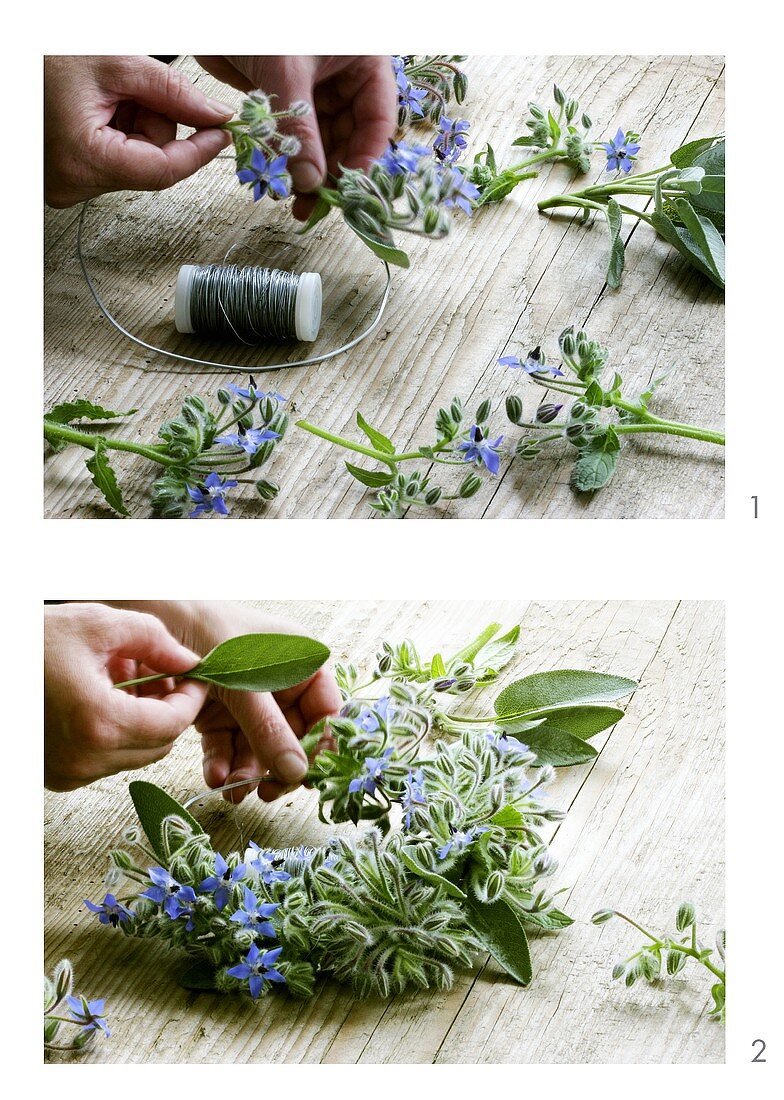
[390,287]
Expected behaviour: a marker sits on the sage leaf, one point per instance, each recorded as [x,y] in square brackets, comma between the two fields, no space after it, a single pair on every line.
[200,976]
[371,478]
[69,411]
[688,153]
[562,687]
[682,240]
[584,720]
[152,806]
[617,258]
[377,438]
[559,748]
[432,877]
[104,478]
[707,237]
[500,931]
[261,662]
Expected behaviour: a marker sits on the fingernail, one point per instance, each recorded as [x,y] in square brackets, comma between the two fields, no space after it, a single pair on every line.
[305,175]
[220,107]
[290,766]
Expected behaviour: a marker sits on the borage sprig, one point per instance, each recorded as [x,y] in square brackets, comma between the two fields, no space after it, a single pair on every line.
[426,84]
[71,1021]
[204,452]
[668,954]
[467,870]
[260,149]
[580,420]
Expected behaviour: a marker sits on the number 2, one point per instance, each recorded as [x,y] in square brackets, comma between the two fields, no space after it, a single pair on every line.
[758,1056]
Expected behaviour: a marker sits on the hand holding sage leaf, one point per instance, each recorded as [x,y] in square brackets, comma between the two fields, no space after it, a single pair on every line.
[253,662]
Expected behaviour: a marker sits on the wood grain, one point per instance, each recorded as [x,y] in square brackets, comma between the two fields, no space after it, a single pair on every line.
[644,831]
[507,280]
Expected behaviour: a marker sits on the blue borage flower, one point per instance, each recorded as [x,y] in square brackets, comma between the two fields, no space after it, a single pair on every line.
[401,159]
[414,796]
[532,364]
[182,904]
[451,140]
[210,498]
[163,886]
[480,450]
[258,968]
[460,192]
[504,744]
[222,883]
[263,864]
[254,914]
[264,175]
[621,151]
[110,911]
[459,841]
[372,718]
[90,1015]
[253,393]
[249,441]
[372,772]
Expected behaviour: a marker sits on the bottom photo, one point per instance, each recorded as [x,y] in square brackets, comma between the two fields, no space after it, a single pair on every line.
[340,831]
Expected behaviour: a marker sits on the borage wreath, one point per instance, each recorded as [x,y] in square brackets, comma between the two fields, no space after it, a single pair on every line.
[466,871]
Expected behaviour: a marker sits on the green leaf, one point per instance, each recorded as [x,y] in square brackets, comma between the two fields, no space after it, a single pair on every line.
[320,211]
[200,976]
[496,655]
[552,920]
[104,477]
[584,720]
[508,817]
[596,463]
[559,748]
[371,478]
[688,153]
[385,250]
[261,662]
[706,236]
[80,409]
[437,667]
[309,743]
[645,397]
[434,879]
[469,652]
[682,240]
[617,258]
[562,687]
[500,931]
[153,805]
[379,441]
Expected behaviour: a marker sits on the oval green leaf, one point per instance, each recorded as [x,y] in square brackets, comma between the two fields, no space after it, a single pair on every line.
[261,662]
[499,930]
[566,686]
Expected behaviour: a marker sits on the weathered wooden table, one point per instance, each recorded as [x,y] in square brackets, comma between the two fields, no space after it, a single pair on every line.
[506,280]
[644,831]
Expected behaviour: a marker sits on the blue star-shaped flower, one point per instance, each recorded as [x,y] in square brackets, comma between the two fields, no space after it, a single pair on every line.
[372,771]
[459,192]
[89,1014]
[459,841]
[257,969]
[210,498]
[253,393]
[254,914]
[504,743]
[110,911]
[400,159]
[263,863]
[480,450]
[532,364]
[372,718]
[248,441]
[222,883]
[621,152]
[451,140]
[163,885]
[263,175]
[414,796]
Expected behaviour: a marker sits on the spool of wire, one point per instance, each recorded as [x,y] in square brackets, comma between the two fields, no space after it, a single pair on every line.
[251,303]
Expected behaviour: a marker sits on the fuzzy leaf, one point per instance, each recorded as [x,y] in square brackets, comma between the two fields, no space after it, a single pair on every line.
[200,976]
[706,236]
[320,211]
[508,817]
[80,409]
[470,652]
[688,153]
[385,250]
[377,438]
[261,662]
[104,478]
[551,921]
[502,934]
[153,805]
[583,721]
[596,463]
[495,655]
[563,687]
[371,478]
[559,748]
[437,667]
[432,877]
[682,240]
[617,253]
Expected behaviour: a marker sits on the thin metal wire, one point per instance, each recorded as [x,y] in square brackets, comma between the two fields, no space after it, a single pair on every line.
[247,302]
[235,368]
[228,787]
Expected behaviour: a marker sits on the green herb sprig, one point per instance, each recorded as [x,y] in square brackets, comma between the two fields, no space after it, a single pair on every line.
[668,954]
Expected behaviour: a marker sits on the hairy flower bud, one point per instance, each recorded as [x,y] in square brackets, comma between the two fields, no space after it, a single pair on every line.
[558,95]
[602,915]
[514,408]
[299,108]
[267,490]
[470,485]
[686,916]
[547,412]
[483,412]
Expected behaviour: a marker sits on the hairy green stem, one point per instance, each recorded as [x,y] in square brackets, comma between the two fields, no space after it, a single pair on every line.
[63,433]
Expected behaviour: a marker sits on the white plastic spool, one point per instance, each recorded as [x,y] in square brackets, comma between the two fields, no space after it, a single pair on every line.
[307,308]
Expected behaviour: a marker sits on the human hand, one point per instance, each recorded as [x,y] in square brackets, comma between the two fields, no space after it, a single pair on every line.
[245,734]
[93,729]
[111,125]
[355,101]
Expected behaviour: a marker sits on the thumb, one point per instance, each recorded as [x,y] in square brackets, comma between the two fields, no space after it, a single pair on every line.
[168,92]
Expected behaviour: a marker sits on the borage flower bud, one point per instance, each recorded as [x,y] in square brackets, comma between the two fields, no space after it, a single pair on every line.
[431,219]
[262,130]
[483,412]
[432,496]
[289,146]
[686,916]
[299,108]
[547,412]
[602,915]
[267,490]
[514,408]
[558,95]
